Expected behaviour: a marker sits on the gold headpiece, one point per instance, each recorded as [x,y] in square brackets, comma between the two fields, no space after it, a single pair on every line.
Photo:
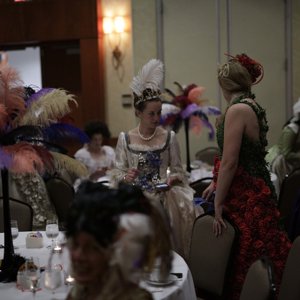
[146,85]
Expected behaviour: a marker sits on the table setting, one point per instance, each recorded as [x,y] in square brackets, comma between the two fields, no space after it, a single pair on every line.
[48,282]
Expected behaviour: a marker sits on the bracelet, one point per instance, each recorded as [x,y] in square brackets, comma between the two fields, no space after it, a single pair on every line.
[124,178]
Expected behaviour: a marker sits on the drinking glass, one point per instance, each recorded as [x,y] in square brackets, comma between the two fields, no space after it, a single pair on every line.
[53,278]
[52,230]
[54,273]
[14,230]
[33,273]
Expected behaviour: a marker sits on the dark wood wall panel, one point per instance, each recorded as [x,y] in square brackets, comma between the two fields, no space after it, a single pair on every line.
[53,25]
[92,79]
[11,24]
[48,20]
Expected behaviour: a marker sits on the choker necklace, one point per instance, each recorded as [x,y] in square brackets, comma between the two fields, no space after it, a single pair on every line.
[146,138]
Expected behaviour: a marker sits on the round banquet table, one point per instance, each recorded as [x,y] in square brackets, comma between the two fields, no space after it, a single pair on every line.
[179,289]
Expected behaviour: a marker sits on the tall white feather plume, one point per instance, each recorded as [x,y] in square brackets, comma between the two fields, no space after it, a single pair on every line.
[149,77]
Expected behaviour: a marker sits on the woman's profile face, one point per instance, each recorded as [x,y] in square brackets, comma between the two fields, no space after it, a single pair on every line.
[150,116]
[89,260]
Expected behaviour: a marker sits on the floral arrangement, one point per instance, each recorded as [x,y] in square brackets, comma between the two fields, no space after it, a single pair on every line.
[188,105]
[254,68]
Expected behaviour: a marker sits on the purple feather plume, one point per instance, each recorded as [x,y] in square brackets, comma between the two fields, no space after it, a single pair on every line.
[62,132]
[36,96]
[5,160]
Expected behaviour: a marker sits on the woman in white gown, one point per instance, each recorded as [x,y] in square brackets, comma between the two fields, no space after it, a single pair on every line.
[149,155]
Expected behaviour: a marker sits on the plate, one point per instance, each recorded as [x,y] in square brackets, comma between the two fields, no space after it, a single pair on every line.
[154,281]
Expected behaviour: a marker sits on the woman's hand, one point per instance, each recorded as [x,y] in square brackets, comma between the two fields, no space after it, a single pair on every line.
[218,221]
[98,173]
[208,192]
[131,175]
[173,180]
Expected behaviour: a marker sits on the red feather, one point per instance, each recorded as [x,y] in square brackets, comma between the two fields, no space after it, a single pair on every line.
[25,158]
[3,117]
[46,157]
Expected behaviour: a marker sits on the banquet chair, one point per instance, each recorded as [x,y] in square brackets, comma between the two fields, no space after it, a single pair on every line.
[210,256]
[61,194]
[20,211]
[290,283]
[259,282]
[200,185]
[288,192]
[207,155]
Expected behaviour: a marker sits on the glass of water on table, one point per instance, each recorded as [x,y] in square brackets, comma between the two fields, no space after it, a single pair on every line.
[14,230]
[52,231]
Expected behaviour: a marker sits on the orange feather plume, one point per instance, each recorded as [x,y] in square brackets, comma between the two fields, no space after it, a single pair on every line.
[25,158]
[3,117]
[11,92]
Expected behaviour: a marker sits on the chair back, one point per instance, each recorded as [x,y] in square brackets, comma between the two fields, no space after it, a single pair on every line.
[290,283]
[288,193]
[209,257]
[200,185]
[61,194]
[207,155]
[20,211]
[259,282]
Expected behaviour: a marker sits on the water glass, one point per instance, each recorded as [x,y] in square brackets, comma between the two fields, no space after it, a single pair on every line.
[53,278]
[14,229]
[52,230]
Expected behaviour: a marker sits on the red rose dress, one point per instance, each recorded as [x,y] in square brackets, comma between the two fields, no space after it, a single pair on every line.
[250,205]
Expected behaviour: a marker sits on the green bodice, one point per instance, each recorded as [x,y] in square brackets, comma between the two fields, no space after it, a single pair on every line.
[252,153]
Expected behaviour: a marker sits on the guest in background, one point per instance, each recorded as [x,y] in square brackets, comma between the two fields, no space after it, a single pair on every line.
[145,153]
[244,191]
[284,156]
[113,236]
[97,157]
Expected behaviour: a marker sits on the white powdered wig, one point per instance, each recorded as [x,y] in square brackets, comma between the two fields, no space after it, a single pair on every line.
[149,77]
[296,108]
[131,247]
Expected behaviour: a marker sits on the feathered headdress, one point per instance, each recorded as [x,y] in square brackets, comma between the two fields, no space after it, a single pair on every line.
[29,126]
[188,105]
[146,85]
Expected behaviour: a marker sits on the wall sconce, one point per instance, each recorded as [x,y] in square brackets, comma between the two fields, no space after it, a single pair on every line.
[114,27]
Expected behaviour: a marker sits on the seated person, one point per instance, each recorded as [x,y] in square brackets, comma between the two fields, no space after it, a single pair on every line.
[97,157]
[113,236]
[285,155]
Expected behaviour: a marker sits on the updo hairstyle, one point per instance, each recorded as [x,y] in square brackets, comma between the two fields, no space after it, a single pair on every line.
[97,127]
[239,74]
[96,210]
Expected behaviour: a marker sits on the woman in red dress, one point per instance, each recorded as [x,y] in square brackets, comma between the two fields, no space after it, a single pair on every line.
[244,191]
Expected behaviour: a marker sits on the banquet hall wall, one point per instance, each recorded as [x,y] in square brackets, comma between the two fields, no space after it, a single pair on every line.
[191,37]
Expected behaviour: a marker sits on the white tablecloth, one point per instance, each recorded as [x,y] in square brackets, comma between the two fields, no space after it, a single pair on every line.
[181,289]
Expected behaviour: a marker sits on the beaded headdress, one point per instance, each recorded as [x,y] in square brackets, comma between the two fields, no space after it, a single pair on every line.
[146,85]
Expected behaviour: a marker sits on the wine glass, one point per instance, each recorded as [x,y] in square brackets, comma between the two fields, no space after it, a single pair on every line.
[52,230]
[33,273]
[14,230]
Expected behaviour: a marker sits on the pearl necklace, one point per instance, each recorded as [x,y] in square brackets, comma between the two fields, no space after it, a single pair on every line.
[146,138]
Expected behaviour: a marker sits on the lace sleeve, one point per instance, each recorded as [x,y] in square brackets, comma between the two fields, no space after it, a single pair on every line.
[121,164]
